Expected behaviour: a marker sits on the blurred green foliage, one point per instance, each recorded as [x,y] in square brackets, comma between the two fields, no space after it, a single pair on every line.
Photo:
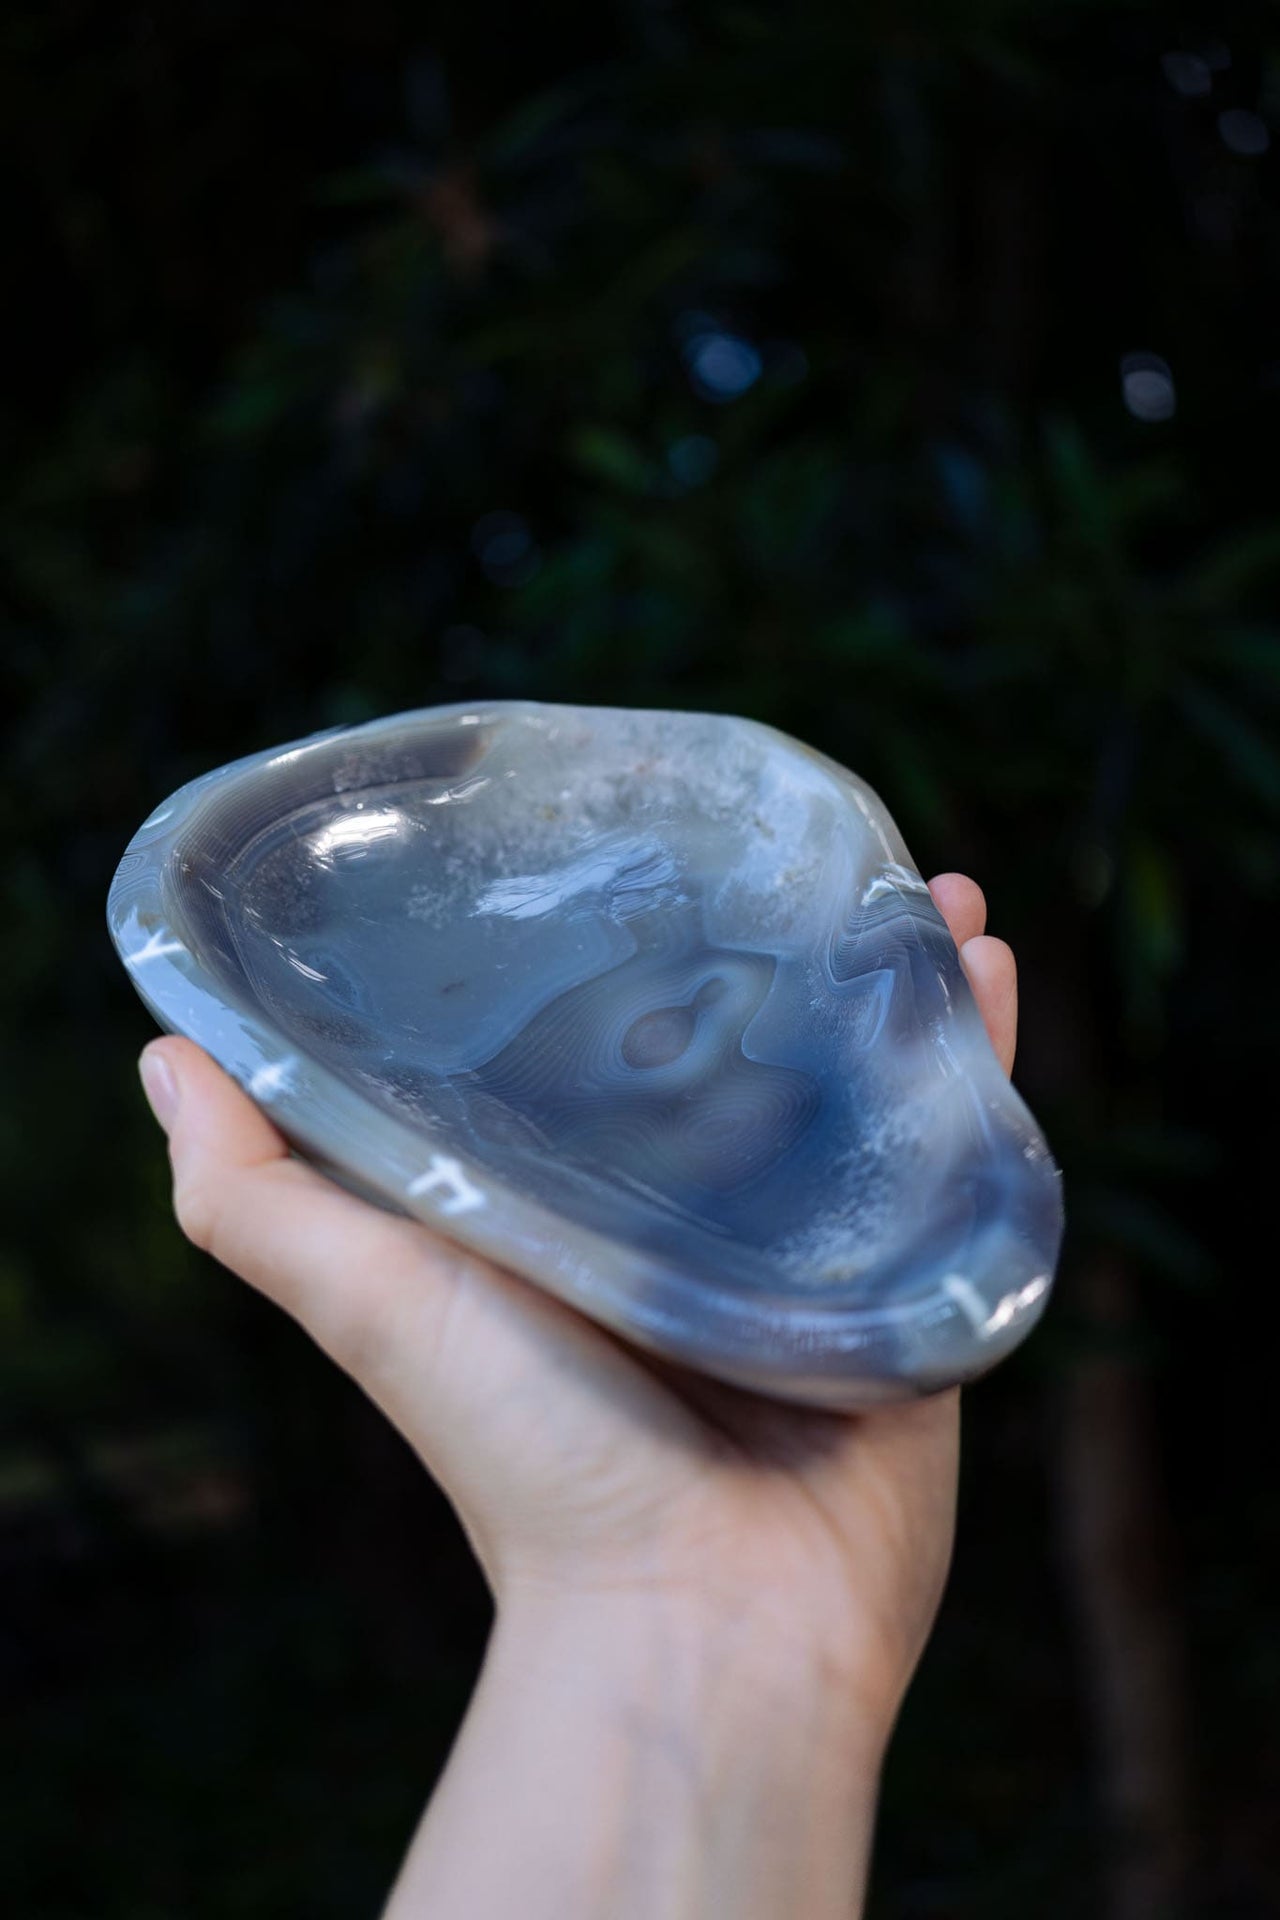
[744,357]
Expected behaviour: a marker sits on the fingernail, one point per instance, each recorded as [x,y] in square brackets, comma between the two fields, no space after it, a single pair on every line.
[160,1086]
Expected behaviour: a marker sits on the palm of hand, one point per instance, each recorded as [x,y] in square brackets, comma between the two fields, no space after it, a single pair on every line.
[573,1462]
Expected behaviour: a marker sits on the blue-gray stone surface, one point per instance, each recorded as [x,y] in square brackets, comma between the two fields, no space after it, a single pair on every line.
[649,1006]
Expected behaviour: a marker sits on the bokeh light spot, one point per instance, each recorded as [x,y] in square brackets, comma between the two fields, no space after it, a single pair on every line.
[721,365]
[505,548]
[1244,132]
[693,459]
[1146,383]
[1187,74]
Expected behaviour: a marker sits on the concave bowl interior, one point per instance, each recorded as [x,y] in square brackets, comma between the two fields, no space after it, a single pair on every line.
[651,1007]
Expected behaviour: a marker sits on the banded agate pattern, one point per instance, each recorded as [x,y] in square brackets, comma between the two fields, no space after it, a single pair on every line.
[650,1006]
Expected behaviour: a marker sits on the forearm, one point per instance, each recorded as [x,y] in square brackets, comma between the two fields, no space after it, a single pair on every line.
[624,1758]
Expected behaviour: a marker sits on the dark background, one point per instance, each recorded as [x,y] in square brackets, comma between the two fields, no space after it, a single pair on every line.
[751,357]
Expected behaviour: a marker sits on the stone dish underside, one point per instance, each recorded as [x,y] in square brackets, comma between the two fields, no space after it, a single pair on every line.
[650,1007]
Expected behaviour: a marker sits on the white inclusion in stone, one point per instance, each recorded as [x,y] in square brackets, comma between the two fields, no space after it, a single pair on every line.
[892,879]
[445,1176]
[269,1079]
[967,1298]
[156,948]
[300,966]
[974,1307]
[1015,1303]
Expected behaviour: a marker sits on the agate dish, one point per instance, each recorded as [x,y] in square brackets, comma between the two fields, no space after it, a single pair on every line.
[650,1007]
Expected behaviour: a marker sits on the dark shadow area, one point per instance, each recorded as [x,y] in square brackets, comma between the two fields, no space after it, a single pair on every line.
[908,380]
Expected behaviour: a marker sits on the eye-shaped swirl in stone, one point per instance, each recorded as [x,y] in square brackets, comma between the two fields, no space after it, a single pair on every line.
[651,1007]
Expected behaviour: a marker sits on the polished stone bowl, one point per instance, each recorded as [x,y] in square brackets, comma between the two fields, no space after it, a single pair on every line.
[649,1007]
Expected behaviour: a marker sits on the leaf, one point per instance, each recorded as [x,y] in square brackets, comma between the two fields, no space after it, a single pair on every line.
[1162,1149]
[1238,564]
[1155,908]
[1145,1229]
[374,185]
[920,792]
[610,455]
[965,485]
[1142,492]
[1246,753]
[524,131]
[1077,482]
[1254,653]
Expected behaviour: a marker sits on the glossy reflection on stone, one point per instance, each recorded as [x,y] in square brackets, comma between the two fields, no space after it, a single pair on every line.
[662,995]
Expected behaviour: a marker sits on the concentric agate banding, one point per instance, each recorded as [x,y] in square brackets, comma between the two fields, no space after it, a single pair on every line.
[651,1007]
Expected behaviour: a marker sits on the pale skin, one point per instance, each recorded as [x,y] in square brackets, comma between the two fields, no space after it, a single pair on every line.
[708,1606]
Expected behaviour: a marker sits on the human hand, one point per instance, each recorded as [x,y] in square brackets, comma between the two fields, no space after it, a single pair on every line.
[574,1462]
[593,1480]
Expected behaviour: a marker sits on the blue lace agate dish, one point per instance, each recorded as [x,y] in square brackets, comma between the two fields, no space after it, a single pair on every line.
[650,1007]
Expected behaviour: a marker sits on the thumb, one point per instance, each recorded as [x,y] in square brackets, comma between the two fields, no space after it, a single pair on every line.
[478,1369]
[376,1290]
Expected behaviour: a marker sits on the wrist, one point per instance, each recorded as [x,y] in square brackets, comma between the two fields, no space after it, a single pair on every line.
[721,1664]
[745,1762]
[795,1640]
[641,1755]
